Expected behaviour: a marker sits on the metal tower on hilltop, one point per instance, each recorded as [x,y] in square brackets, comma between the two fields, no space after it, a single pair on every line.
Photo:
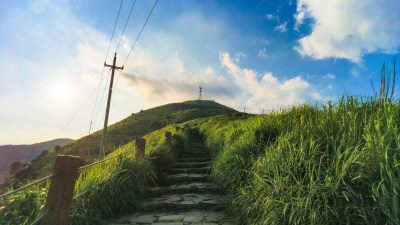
[200,90]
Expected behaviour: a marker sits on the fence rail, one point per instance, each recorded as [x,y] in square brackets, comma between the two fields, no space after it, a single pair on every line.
[27,186]
[62,183]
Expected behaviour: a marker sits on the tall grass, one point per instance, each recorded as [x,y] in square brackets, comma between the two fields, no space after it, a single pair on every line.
[103,191]
[329,164]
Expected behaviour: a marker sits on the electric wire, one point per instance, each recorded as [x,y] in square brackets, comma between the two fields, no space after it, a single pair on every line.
[108,50]
[101,100]
[134,44]
[152,9]
[76,112]
[129,16]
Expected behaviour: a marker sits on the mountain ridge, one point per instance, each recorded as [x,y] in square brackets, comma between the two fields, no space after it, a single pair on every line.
[24,153]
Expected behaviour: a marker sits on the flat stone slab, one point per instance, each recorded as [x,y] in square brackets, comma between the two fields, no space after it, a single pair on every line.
[192,164]
[194,159]
[184,178]
[194,187]
[205,169]
[195,217]
[182,202]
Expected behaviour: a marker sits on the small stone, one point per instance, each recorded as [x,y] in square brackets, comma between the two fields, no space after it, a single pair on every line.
[171,218]
[174,223]
[228,223]
[214,217]
[192,218]
[142,219]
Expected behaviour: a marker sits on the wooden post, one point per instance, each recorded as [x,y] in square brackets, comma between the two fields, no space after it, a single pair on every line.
[168,138]
[61,190]
[140,146]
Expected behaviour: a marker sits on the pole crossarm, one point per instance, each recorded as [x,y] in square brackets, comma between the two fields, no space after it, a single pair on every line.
[115,67]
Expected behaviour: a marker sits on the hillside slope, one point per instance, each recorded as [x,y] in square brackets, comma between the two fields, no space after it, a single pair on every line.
[124,131]
[24,153]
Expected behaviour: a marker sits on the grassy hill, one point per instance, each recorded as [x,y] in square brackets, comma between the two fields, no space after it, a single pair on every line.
[122,132]
[328,164]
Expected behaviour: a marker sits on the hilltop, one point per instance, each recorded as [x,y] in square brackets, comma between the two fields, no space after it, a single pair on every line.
[122,132]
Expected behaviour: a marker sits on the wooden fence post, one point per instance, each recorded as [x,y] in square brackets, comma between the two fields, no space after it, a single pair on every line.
[168,138]
[61,190]
[140,146]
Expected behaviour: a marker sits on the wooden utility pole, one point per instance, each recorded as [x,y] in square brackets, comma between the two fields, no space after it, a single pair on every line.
[103,137]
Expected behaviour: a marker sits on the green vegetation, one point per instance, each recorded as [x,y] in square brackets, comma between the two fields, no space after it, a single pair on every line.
[329,164]
[105,190]
[120,133]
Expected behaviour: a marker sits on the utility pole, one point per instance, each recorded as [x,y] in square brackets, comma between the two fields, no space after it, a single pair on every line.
[103,137]
[90,126]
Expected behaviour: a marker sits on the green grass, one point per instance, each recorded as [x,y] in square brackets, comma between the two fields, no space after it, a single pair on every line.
[121,133]
[328,164]
[105,190]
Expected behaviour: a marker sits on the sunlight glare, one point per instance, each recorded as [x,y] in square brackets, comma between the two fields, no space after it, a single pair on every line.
[63,92]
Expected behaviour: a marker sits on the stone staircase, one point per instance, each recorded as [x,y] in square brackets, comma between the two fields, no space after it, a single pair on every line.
[187,197]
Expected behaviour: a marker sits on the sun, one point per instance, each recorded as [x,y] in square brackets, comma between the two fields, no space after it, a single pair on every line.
[63,92]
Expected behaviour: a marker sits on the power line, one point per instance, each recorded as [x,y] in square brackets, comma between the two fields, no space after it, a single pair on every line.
[130,12]
[115,25]
[102,96]
[140,32]
[137,38]
[76,112]
[108,50]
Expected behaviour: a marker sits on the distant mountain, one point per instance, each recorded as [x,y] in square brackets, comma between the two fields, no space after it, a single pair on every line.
[10,154]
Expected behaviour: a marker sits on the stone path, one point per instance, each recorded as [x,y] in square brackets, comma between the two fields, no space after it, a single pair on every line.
[188,198]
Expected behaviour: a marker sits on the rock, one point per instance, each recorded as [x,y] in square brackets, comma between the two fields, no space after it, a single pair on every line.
[192,218]
[173,223]
[214,217]
[171,218]
[141,219]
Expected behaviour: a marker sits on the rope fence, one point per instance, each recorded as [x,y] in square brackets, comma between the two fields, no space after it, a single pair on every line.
[40,217]
[27,186]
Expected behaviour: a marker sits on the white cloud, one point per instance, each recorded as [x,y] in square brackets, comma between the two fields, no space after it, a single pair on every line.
[268,92]
[329,76]
[348,29]
[281,27]
[209,70]
[262,53]
[270,16]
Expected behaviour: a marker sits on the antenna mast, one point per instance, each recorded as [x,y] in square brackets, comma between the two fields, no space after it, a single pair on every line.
[200,90]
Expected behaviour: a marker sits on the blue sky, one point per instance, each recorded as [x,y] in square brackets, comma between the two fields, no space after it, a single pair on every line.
[258,54]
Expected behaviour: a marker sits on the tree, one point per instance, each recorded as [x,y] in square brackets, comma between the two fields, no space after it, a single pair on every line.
[15,166]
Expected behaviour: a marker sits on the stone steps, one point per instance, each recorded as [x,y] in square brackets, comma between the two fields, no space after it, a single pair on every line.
[187,199]
[195,154]
[186,178]
[194,159]
[192,164]
[182,202]
[190,170]
[195,187]
[177,218]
